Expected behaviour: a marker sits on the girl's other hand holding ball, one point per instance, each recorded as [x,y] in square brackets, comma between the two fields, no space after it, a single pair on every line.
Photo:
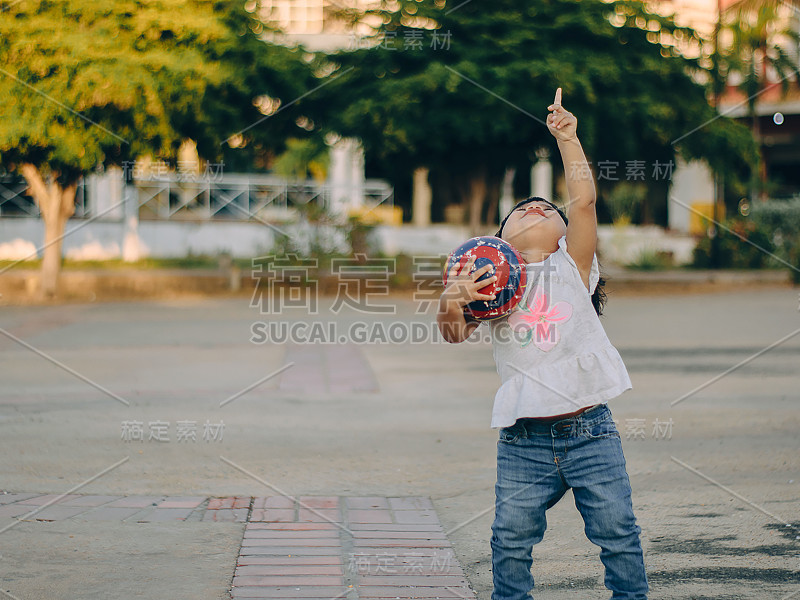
[462,286]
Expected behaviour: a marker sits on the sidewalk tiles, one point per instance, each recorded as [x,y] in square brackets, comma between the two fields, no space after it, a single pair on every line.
[298,548]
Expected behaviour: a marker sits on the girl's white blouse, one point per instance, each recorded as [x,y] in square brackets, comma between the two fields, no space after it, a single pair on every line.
[552,353]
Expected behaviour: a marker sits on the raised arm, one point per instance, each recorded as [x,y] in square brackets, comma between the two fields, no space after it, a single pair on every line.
[582,227]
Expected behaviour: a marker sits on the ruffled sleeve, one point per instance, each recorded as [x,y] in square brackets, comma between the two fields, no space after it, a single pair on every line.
[594,272]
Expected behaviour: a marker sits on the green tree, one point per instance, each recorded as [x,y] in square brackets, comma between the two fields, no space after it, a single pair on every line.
[756,32]
[303,157]
[478,106]
[87,83]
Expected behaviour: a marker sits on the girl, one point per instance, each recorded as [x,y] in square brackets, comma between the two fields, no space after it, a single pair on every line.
[558,369]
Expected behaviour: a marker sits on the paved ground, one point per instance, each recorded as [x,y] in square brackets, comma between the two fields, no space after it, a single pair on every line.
[179,401]
[310,547]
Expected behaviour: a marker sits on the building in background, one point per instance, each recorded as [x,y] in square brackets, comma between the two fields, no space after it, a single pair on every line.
[148,210]
[319,25]
[323,26]
[778,114]
[698,14]
[170,217]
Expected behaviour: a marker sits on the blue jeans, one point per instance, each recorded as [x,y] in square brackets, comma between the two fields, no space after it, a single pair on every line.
[536,464]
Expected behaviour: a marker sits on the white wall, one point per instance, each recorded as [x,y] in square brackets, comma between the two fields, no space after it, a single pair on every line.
[691,183]
[623,245]
[99,240]
[618,245]
[431,240]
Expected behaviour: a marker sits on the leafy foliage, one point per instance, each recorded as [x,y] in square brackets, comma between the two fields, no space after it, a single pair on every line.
[743,244]
[771,227]
[301,158]
[482,102]
[624,199]
[755,36]
[88,83]
[780,219]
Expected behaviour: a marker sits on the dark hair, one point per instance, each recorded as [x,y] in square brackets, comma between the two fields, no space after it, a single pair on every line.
[599,295]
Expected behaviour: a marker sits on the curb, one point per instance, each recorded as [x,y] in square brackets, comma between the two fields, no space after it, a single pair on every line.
[19,287]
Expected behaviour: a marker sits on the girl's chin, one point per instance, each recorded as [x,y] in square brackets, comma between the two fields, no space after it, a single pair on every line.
[547,239]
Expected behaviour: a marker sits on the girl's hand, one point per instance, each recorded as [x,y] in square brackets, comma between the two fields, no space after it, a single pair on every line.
[561,123]
[462,286]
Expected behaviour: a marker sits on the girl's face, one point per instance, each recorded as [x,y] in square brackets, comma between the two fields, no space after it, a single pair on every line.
[535,225]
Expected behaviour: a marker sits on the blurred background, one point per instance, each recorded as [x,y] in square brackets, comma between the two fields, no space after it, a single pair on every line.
[179,176]
[197,135]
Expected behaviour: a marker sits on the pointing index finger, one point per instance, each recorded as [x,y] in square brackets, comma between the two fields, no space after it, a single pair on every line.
[558,97]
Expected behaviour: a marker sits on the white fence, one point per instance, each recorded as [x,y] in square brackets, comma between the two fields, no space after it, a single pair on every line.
[14,202]
[234,196]
[173,216]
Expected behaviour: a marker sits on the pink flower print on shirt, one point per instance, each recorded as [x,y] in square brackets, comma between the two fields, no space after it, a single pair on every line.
[539,320]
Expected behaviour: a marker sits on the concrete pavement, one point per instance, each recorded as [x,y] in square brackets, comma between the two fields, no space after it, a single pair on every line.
[711,446]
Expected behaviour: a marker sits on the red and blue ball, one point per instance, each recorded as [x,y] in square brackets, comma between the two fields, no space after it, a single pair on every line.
[507,264]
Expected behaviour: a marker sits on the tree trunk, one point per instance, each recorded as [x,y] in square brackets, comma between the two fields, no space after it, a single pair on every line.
[756,185]
[646,209]
[494,183]
[762,165]
[477,196]
[57,205]
[761,175]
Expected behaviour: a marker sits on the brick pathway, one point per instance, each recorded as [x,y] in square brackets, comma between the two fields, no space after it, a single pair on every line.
[303,548]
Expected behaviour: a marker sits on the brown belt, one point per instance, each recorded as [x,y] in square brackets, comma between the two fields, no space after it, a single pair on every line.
[560,417]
